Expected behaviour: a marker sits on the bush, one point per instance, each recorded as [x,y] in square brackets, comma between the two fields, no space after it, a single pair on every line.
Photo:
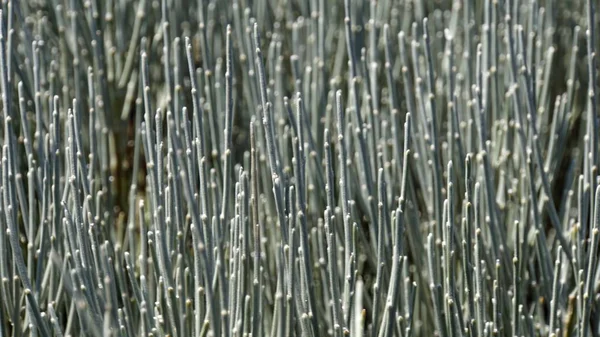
[299,168]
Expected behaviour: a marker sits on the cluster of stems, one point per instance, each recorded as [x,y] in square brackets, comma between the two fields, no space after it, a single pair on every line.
[281,168]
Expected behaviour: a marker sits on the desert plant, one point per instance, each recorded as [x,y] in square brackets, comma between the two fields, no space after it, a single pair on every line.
[299,168]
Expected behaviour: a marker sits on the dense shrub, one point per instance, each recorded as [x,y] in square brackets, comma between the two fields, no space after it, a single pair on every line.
[299,168]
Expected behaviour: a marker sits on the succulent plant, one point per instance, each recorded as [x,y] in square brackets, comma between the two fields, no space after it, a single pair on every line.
[299,168]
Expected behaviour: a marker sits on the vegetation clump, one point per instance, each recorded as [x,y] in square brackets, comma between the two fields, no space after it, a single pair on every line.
[299,168]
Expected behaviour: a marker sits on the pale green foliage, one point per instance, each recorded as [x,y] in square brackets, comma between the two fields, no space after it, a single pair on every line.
[299,168]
